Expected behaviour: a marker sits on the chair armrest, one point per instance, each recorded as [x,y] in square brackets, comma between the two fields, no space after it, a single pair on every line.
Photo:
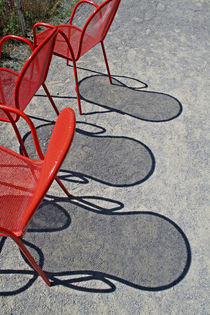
[60,140]
[16,37]
[78,4]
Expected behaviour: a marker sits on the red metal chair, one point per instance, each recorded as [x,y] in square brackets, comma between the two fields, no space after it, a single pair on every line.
[17,89]
[73,42]
[24,182]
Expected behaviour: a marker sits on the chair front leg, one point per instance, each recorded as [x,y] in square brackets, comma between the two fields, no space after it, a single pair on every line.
[15,128]
[28,256]
[50,98]
[62,186]
[77,86]
[106,62]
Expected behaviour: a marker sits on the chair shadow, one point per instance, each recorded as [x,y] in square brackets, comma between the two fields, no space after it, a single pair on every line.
[126,95]
[144,250]
[116,161]
[134,101]
[49,218]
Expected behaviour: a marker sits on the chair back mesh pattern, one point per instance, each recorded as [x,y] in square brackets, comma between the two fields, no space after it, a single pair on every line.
[18,180]
[8,80]
[98,25]
[34,73]
[73,35]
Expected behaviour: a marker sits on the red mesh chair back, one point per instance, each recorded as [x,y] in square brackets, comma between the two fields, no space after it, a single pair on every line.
[67,42]
[18,89]
[34,72]
[98,25]
[8,80]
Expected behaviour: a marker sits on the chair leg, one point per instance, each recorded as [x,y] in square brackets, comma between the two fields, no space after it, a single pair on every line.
[26,253]
[50,98]
[106,62]
[77,86]
[62,186]
[19,139]
[17,133]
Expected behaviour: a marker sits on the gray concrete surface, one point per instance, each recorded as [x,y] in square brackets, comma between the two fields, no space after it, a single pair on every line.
[133,239]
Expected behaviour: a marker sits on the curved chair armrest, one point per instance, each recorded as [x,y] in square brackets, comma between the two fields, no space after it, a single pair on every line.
[78,4]
[38,24]
[60,140]
[16,37]
[8,110]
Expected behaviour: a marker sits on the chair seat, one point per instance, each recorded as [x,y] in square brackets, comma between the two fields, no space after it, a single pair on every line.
[18,181]
[73,35]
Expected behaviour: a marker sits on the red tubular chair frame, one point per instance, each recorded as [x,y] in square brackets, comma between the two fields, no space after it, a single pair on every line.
[16,236]
[72,57]
[7,110]
[20,75]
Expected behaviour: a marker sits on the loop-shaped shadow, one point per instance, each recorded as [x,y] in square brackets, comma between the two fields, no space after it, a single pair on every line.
[16,281]
[144,250]
[84,281]
[97,204]
[145,105]
[111,160]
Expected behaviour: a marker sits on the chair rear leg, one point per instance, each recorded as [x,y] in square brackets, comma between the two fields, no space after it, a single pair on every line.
[50,98]
[62,186]
[19,139]
[3,239]
[17,133]
[77,86]
[26,253]
[106,62]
